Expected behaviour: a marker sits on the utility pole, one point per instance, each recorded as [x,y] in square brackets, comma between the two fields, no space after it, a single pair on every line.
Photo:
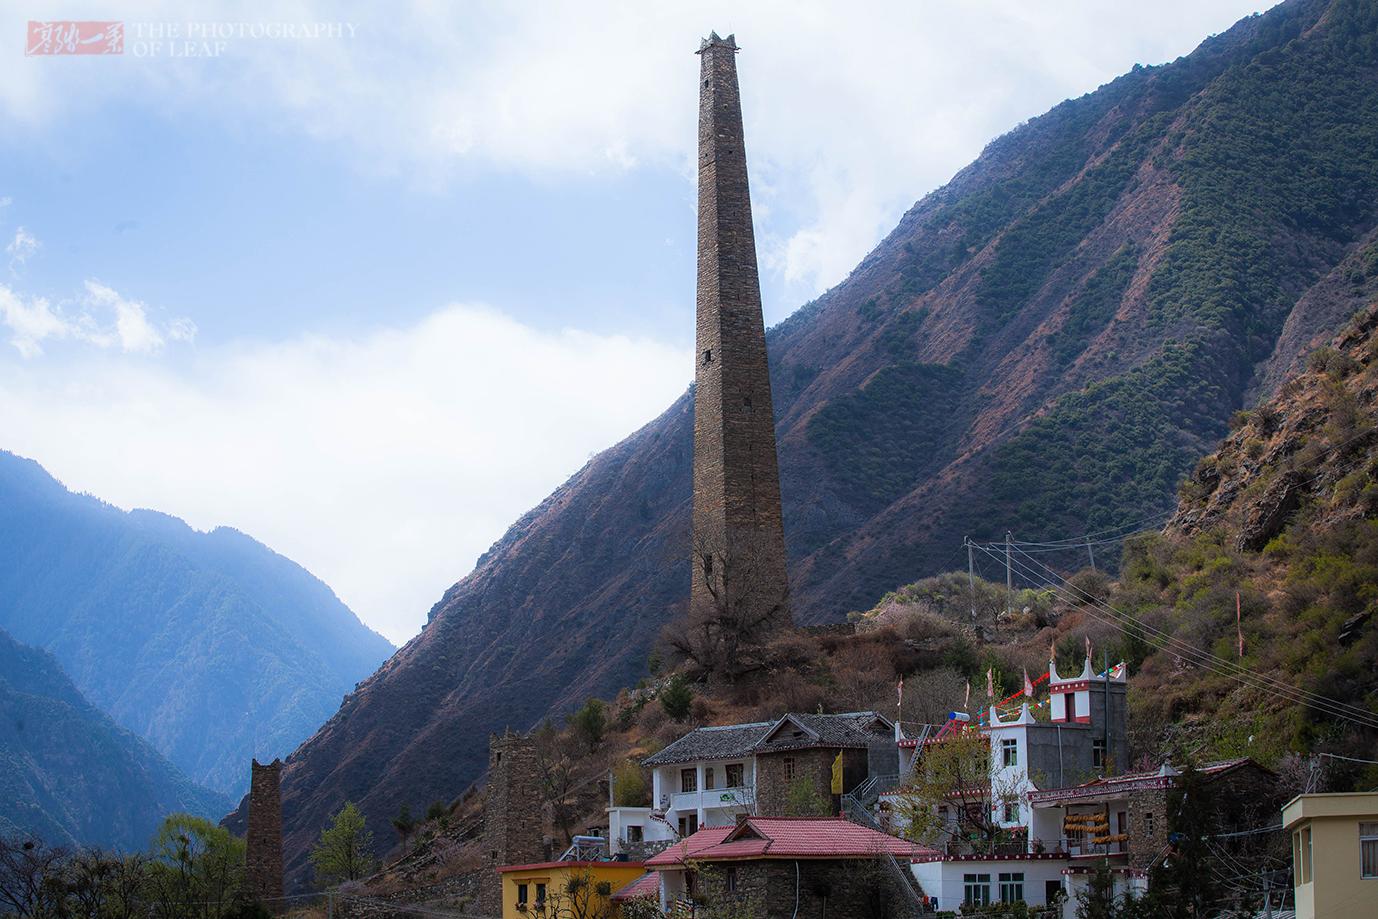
[1009,575]
[971,576]
[1090,553]
[1105,717]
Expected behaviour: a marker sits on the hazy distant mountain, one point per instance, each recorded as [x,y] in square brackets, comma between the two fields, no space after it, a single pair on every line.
[72,776]
[210,646]
[1045,344]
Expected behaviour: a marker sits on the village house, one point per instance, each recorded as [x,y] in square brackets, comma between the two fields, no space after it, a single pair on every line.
[1334,853]
[713,774]
[1059,799]
[789,866]
[587,888]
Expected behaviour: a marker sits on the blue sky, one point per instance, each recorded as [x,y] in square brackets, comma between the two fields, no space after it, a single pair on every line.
[369,298]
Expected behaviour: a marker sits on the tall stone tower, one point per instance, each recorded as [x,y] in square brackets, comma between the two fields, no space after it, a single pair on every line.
[513,821]
[739,541]
[263,857]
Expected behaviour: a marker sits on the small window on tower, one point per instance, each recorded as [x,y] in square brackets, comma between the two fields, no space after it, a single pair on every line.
[708,356]
[1098,753]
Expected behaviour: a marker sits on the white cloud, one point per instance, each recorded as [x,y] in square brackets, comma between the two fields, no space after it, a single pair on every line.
[851,116]
[29,323]
[21,247]
[101,317]
[384,463]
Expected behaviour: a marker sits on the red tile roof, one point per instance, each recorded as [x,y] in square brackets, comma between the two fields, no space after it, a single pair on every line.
[648,885]
[785,837]
[569,864]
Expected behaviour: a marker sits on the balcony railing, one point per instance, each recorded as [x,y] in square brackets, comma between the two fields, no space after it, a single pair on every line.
[741,796]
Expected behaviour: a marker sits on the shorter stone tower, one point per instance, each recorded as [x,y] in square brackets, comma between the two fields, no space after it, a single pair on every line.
[512,814]
[263,859]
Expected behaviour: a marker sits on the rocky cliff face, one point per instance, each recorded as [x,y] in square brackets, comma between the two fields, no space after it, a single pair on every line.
[1045,344]
[1311,445]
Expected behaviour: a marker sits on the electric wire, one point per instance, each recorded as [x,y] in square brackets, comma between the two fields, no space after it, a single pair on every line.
[1206,660]
[1202,653]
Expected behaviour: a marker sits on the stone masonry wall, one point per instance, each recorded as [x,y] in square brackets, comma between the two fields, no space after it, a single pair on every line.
[860,888]
[263,855]
[816,766]
[736,507]
[512,814]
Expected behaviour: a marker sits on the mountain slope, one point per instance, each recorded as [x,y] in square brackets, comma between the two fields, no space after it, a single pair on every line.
[1046,344]
[208,645]
[69,774]
[1282,519]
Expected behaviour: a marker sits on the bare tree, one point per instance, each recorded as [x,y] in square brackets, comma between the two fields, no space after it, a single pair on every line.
[952,792]
[31,882]
[737,607]
[579,896]
[559,786]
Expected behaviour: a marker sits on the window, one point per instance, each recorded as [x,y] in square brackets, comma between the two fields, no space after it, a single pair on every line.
[1011,887]
[788,766]
[688,824]
[522,895]
[708,778]
[1304,846]
[1148,823]
[976,889]
[1011,812]
[1098,753]
[734,775]
[1368,850]
[730,879]
[688,780]
[708,356]
[540,896]
[635,833]
[1009,752]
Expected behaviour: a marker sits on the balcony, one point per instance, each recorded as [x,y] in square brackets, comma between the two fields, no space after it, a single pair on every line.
[709,798]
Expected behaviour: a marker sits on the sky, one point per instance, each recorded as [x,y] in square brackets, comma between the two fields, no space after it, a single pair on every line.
[369,281]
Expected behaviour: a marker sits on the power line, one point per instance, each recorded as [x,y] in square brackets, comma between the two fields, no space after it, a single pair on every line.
[1202,653]
[1206,659]
[1125,623]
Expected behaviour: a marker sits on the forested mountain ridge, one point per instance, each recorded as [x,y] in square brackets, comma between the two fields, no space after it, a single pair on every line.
[69,775]
[208,645]
[1046,344]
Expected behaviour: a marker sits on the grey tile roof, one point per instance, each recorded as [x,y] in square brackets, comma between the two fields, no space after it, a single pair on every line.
[851,729]
[800,731]
[710,743]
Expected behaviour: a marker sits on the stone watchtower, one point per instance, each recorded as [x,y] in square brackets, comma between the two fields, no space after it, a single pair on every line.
[513,825]
[739,541]
[263,858]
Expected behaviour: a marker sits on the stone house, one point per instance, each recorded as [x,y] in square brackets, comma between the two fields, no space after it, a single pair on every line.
[789,866]
[1061,799]
[713,774]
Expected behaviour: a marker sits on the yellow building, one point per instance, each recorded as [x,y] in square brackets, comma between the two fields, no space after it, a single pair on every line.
[544,889]
[1334,854]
